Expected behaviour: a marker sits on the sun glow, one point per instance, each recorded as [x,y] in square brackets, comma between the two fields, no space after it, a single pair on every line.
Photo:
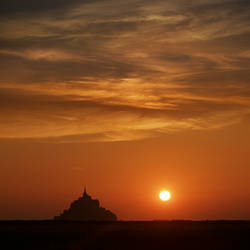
[164,195]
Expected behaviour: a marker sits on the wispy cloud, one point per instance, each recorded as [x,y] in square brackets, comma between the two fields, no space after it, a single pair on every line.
[115,70]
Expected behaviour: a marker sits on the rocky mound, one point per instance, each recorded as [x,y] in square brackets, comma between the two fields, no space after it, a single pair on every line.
[86,209]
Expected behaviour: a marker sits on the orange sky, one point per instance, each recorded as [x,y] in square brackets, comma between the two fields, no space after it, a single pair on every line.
[129,98]
[207,173]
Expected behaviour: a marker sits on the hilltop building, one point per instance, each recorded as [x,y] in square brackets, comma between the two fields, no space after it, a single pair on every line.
[86,209]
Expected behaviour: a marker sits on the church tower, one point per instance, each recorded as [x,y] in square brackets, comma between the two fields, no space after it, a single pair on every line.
[85,195]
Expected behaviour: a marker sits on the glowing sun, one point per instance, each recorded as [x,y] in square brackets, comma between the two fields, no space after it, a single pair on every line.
[164,195]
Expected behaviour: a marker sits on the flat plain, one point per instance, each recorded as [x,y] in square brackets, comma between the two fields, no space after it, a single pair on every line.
[175,235]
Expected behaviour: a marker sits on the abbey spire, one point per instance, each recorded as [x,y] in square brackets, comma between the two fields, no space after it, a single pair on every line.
[85,195]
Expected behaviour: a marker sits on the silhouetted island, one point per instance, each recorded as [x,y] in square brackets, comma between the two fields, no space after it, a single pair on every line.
[86,209]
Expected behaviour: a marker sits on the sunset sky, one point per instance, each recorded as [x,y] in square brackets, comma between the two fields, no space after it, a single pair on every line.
[128,97]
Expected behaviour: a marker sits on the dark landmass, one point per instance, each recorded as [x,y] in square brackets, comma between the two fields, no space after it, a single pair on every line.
[202,235]
[86,209]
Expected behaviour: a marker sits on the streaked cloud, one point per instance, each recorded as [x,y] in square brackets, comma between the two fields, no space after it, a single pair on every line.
[115,70]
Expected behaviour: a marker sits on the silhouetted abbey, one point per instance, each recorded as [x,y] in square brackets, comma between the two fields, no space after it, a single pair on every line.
[86,209]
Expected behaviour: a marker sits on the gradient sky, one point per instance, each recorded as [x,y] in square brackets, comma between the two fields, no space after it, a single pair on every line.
[128,97]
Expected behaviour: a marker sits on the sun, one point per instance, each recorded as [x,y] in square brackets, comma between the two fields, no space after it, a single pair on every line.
[164,195]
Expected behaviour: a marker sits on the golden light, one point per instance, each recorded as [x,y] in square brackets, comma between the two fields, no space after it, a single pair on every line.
[164,195]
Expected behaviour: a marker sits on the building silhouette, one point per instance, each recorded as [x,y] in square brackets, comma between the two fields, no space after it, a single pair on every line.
[86,209]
